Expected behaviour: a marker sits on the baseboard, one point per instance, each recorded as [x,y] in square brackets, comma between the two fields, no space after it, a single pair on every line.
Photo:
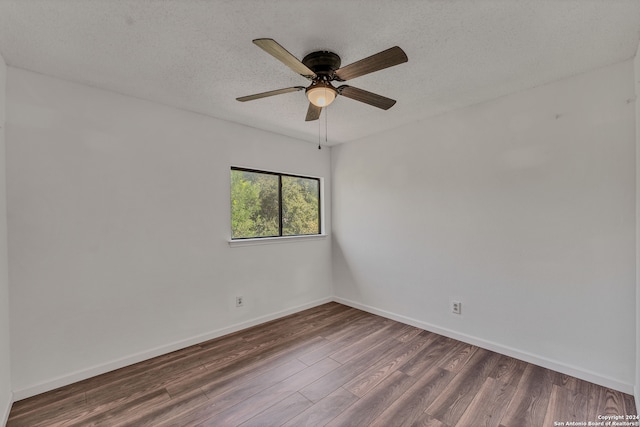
[4,416]
[498,348]
[154,352]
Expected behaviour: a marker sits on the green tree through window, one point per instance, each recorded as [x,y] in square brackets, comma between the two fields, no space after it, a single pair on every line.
[268,204]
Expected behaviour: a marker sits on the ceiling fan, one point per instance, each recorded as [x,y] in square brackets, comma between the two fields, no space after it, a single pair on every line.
[323,67]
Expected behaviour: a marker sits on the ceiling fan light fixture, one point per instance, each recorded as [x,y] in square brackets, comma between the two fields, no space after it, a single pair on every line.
[321,94]
[323,67]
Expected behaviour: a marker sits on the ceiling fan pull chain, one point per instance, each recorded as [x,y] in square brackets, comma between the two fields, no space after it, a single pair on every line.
[319,146]
[326,117]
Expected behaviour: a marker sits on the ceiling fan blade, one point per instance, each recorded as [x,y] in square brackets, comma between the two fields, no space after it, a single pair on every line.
[379,61]
[270,93]
[274,49]
[313,113]
[366,97]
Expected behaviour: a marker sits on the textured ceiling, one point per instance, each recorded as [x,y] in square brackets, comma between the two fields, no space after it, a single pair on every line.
[198,55]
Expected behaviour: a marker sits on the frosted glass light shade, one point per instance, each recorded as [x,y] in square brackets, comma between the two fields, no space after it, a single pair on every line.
[321,95]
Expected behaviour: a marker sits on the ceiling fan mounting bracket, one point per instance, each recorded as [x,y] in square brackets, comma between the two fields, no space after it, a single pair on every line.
[323,63]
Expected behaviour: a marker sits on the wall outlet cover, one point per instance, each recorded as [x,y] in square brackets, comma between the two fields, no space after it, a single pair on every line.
[456,307]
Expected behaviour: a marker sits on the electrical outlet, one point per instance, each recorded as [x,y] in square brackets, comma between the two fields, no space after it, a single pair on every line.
[239,301]
[456,307]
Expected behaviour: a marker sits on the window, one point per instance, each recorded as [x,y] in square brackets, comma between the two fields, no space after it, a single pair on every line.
[269,204]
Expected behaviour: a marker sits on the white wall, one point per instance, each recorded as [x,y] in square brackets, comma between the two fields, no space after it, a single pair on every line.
[522,208]
[5,360]
[119,219]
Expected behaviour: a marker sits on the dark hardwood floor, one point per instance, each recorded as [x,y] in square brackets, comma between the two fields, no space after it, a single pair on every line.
[331,365]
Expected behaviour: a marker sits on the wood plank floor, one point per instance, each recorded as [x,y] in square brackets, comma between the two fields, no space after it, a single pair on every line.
[331,365]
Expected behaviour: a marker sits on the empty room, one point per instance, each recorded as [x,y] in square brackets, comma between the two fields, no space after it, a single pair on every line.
[319,213]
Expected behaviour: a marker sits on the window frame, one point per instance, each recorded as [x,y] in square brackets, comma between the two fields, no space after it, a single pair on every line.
[279,236]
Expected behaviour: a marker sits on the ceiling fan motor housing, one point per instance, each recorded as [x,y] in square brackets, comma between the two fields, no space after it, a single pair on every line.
[323,63]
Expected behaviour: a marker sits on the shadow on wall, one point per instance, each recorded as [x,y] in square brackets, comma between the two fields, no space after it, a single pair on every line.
[345,283]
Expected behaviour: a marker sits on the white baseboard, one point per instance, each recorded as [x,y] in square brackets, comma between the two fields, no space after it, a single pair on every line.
[554,365]
[154,352]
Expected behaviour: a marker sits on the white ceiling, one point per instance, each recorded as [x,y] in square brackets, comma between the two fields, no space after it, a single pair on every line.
[197,55]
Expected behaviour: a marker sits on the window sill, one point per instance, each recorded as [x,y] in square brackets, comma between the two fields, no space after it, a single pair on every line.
[275,240]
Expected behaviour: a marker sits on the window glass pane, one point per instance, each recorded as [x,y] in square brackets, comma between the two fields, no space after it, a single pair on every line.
[300,206]
[254,204]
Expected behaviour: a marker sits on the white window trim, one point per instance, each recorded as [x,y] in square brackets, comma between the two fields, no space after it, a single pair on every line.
[274,240]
